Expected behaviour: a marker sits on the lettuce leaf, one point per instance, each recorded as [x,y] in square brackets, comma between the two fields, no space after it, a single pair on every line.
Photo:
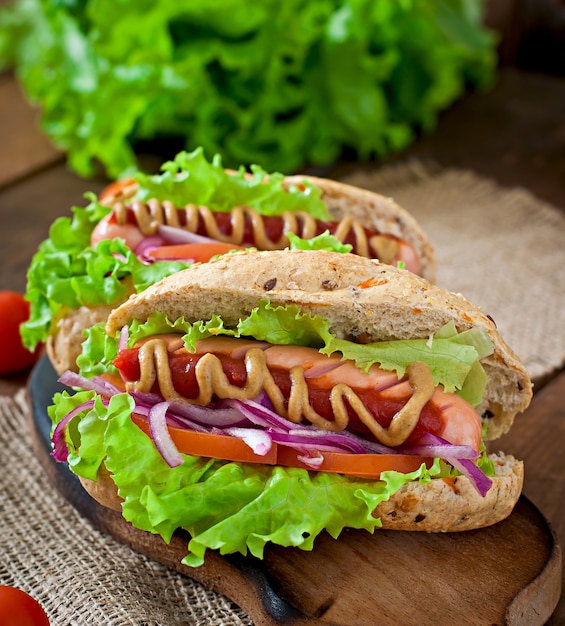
[191,178]
[225,506]
[66,272]
[285,84]
[324,241]
[453,363]
[284,325]
[98,350]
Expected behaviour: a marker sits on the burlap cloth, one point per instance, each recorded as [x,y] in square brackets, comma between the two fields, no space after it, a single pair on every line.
[502,248]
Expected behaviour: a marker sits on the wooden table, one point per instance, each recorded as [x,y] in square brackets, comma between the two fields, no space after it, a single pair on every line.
[514,134]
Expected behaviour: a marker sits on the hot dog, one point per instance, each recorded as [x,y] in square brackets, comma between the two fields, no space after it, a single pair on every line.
[353,385]
[299,381]
[243,226]
[142,229]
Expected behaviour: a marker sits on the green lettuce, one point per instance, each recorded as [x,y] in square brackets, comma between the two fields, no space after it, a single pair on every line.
[324,241]
[285,84]
[66,272]
[453,358]
[225,506]
[191,178]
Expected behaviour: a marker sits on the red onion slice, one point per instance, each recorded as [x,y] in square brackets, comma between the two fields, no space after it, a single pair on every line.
[441,450]
[258,440]
[263,416]
[173,235]
[161,436]
[97,384]
[464,464]
[218,416]
[60,451]
[433,446]
[315,461]
[145,245]
[480,481]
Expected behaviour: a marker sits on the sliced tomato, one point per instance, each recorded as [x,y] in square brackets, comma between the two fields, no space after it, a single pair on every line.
[360,465]
[233,449]
[212,446]
[198,252]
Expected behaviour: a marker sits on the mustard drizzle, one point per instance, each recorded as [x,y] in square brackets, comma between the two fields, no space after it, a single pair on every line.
[213,382]
[149,216]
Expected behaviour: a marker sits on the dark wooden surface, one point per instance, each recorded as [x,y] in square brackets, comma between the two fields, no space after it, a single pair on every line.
[514,134]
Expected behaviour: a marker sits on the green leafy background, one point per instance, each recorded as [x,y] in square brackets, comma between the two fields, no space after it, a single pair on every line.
[283,84]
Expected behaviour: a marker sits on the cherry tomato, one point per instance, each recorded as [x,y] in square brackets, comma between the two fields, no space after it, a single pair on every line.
[17,608]
[13,311]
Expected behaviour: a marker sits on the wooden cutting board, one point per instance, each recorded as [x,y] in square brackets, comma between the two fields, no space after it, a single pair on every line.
[507,574]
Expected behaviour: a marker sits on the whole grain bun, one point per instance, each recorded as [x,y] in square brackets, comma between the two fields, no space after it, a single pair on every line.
[360,298]
[64,345]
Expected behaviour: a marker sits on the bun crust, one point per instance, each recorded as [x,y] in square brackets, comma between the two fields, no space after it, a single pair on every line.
[103,489]
[449,506]
[64,346]
[357,296]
